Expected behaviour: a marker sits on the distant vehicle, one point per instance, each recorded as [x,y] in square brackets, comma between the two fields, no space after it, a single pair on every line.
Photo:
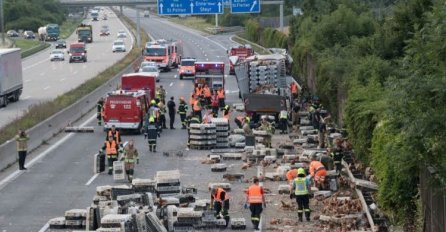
[159,53]
[146,14]
[147,63]
[57,55]
[238,54]
[29,35]
[84,33]
[11,81]
[104,17]
[118,46]
[104,32]
[186,67]
[78,52]
[151,70]
[139,81]
[176,52]
[12,33]
[49,32]
[121,34]
[94,15]
[61,44]
[210,73]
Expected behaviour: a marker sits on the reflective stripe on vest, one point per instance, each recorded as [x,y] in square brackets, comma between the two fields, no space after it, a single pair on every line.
[283,114]
[255,194]
[301,186]
[111,148]
[129,160]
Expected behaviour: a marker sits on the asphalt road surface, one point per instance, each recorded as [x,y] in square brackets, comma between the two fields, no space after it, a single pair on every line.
[61,175]
[44,80]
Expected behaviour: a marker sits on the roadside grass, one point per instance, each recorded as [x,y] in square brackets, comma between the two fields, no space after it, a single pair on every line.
[241,39]
[196,23]
[39,112]
[68,27]
[26,44]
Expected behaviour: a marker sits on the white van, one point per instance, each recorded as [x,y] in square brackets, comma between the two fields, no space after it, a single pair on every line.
[146,13]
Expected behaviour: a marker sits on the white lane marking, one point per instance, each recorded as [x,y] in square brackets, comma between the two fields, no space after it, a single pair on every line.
[45,228]
[17,173]
[23,98]
[171,83]
[175,76]
[61,80]
[28,80]
[207,59]
[46,87]
[205,54]
[35,64]
[92,179]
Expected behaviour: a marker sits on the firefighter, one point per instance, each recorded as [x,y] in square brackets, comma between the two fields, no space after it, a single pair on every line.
[294,90]
[207,95]
[152,134]
[111,149]
[239,120]
[197,108]
[160,94]
[99,107]
[220,203]
[214,104]
[337,154]
[283,117]
[246,127]
[130,158]
[301,188]
[115,134]
[154,112]
[182,111]
[162,114]
[221,97]
[318,172]
[256,199]
[191,119]
[266,126]
[171,106]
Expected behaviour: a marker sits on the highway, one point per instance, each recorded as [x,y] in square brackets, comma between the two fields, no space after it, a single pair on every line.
[44,80]
[61,175]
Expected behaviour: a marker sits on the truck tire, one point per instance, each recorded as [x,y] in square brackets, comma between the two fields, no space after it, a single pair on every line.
[4,101]
[16,96]
[181,77]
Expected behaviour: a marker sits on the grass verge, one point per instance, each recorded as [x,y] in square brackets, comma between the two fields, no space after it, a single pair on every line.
[26,44]
[34,49]
[196,23]
[257,48]
[39,112]
[67,28]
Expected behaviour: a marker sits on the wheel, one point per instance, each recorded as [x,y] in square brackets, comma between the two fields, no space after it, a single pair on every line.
[85,60]
[181,77]
[70,61]
[4,101]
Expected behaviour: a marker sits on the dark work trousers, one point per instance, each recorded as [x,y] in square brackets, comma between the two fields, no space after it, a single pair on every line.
[198,114]
[163,121]
[183,120]
[284,125]
[223,210]
[215,111]
[152,145]
[303,206]
[111,159]
[172,119]
[256,210]
[22,157]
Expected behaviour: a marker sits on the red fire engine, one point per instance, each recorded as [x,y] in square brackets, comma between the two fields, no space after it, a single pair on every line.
[238,54]
[210,73]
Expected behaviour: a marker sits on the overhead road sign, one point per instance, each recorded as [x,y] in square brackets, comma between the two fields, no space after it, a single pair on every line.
[245,6]
[190,7]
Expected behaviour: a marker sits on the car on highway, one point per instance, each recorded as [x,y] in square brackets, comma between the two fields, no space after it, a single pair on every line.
[151,70]
[146,14]
[77,52]
[29,35]
[104,32]
[12,33]
[60,44]
[57,55]
[104,17]
[121,34]
[118,46]
[186,67]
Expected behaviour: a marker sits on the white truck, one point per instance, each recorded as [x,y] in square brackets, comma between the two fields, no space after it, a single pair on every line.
[11,81]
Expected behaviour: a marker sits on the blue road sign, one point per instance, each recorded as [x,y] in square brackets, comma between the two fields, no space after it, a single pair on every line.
[190,7]
[245,6]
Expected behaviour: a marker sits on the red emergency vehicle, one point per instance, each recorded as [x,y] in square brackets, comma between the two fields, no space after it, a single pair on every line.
[210,73]
[139,81]
[125,109]
[238,54]
[158,52]
[176,52]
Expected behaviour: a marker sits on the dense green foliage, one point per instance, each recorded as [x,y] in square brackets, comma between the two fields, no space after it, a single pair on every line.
[268,37]
[32,14]
[380,67]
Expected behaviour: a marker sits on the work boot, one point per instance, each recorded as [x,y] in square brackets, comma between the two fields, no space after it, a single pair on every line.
[110,172]
[300,219]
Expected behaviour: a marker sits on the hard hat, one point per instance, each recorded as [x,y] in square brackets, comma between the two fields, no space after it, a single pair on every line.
[226,107]
[248,119]
[300,171]
[152,102]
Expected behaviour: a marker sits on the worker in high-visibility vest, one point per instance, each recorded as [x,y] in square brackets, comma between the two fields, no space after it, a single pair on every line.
[220,203]
[207,95]
[115,134]
[197,108]
[111,149]
[214,104]
[153,133]
[221,97]
[130,158]
[255,197]
[99,108]
[294,90]
[182,111]
[283,118]
[301,188]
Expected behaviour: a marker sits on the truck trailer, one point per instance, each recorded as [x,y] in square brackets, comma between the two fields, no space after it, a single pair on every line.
[11,81]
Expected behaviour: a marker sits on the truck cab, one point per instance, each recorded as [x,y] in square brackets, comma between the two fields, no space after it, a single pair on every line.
[238,54]
[159,53]
[125,109]
[84,33]
[77,52]
[210,73]
[186,67]
[176,52]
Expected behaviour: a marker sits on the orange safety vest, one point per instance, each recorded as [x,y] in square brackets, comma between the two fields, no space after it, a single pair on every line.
[115,136]
[207,92]
[198,91]
[221,94]
[315,166]
[197,105]
[217,196]
[291,174]
[294,88]
[111,148]
[191,100]
[255,194]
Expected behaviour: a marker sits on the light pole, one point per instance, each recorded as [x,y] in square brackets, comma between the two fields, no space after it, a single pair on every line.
[2,27]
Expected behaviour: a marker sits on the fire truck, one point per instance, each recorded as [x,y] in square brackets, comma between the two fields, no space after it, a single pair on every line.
[210,73]
[139,81]
[238,54]
[176,52]
[125,109]
[158,52]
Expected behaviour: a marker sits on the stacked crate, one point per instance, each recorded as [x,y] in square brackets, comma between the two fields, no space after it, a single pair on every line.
[264,73]
[202,136]
[222,127]
[168,182]
[75,218]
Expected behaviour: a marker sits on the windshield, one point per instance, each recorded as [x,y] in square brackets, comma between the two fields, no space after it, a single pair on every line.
[155,52]
[149,69]
[187,63]
[56,52]
[76,50]
[84,33]
[60,42]
[119,43]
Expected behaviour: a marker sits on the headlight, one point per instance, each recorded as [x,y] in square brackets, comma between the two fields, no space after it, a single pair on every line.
[82,54]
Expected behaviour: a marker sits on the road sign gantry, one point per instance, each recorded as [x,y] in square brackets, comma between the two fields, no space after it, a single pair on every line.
[190,7]
[245,6]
